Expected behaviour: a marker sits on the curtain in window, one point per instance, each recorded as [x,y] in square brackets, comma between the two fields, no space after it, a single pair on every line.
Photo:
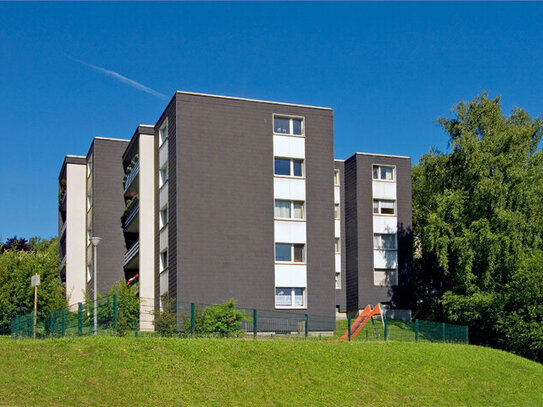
[283,296]
[298,297]
[298,210]
[282,209]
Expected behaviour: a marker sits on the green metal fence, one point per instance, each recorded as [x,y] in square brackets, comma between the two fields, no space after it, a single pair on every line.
[78,321]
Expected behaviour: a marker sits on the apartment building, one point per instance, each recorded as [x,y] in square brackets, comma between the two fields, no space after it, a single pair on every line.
[228,197]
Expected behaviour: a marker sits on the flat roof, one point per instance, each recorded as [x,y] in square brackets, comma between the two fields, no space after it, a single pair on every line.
[384,155]
[111,139]
[251,100]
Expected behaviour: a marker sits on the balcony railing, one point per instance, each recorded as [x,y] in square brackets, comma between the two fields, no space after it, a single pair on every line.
[62,230]
[131,253]
[131,176]
[130,212]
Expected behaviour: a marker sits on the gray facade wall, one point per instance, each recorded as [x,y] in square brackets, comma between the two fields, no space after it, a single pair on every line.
[108,206]
[222,188]
[359,225]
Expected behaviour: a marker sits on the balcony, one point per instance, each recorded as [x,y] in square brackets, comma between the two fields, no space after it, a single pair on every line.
[62,201]
[131,175]
[130,213]
[62,230]
[131,255]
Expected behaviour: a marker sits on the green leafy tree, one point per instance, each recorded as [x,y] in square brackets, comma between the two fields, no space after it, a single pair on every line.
[478,227]
[16,267]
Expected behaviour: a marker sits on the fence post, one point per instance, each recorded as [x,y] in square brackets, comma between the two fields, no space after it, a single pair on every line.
[63,327]
[385,333]
[306,325]
[192,318]
[80,319]
[416,330]
[255,323]
[115,314]
[349,326]
[443,331]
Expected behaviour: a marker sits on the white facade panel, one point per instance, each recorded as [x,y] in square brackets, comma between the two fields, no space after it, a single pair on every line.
[163,195]
[385,224]
[289,188]
[76,267]
[164,281]
[382,278]
[147,231]
[291,275]
[290,231]
[385,259]
[336,194]
[337,228]
[384,190]
[338,262]
[291,147]
[164,238]
[162,154]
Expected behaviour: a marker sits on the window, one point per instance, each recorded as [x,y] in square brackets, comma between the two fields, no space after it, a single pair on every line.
[338,280]
[384,241]
[385,277]
[383,173]
[288,125]
[89,235]
[163,260]
[337,245]
[163,178]
[163,217]
[289,167]
[163,134]
[384,207]
[89,167]
[89,273]
[290,297]
[289,252]
[337,211]
[289,209]
[336,177]
[89,201]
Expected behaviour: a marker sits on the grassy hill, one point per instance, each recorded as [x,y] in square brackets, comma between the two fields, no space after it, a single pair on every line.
[107,371]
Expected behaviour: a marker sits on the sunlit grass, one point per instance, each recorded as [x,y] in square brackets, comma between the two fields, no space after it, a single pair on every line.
[109,371]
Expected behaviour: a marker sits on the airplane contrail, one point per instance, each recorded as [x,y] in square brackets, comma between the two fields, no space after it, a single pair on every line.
[122,78]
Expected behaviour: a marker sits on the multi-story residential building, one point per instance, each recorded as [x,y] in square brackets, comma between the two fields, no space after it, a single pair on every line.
[233,198]
[375,212]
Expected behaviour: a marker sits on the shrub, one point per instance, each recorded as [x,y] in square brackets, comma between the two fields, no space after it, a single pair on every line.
[217,320]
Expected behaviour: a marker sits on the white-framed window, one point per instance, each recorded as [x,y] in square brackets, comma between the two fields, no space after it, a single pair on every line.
[163,134]
[290,252]
[163,218]
[338,280]
[289,167]
[384,207]
[89,235]
[89,201]
[89,167]
[383,172]
[336,177]
[337,211]
[288,209]
[163,260]
[163,175]
[89,272]
[290,297]
[337,245]
[384,241]
[292,126]
[385,277]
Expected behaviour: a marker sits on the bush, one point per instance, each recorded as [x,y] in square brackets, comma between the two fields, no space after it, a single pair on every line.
[165,320]
[217,320]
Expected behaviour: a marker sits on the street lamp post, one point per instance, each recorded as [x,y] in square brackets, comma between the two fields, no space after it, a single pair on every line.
[95,242]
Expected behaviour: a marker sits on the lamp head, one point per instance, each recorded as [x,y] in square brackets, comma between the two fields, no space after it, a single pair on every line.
[95,240]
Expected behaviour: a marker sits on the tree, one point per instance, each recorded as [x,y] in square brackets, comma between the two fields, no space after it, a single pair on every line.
[15,243]
[16,267]
[478,227]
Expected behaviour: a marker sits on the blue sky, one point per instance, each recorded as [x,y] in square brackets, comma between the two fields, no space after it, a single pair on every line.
[387,69]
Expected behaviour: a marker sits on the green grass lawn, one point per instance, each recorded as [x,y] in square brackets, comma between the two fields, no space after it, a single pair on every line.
[109,371]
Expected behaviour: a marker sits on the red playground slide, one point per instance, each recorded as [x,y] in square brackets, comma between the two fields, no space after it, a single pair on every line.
[359,323]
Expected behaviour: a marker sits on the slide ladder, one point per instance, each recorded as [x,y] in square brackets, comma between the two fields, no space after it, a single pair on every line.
[359,323]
